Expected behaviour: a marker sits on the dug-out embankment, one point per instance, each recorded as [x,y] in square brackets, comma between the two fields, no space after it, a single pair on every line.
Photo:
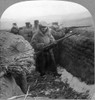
[76,55]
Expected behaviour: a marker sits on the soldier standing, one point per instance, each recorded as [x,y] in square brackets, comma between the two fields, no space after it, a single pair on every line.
[42,38]
[36,26]
[26,31]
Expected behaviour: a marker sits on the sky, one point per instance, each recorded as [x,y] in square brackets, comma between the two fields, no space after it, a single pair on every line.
[41,8]
[31,9]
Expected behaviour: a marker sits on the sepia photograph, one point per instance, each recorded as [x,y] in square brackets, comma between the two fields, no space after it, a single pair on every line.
[46,51]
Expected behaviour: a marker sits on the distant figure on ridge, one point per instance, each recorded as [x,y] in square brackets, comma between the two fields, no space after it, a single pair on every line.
[15,29]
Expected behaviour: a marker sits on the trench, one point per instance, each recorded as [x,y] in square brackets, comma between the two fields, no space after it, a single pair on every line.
[76,55]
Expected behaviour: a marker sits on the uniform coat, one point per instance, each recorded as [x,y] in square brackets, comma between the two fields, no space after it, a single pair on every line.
[39,39]
[43,59]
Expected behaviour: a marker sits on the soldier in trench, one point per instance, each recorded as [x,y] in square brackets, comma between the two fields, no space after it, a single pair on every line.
[15,29]
[36,26]
[40,39]
[26,31]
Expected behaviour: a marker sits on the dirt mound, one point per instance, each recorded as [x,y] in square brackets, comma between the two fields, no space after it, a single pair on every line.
[15,52]
[15,49]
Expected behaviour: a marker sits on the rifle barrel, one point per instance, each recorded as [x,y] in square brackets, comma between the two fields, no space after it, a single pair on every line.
[78,26]
[63,38]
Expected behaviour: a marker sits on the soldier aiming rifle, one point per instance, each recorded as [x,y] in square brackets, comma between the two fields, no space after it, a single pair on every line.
[68,29]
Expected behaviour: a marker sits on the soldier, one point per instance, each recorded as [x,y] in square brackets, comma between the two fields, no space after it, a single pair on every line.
[15,29]
[26,31]
[43,61]
[56,31]
[28,25]
[36,26]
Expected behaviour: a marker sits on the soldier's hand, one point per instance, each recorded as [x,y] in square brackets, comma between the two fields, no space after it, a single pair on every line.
[40,45]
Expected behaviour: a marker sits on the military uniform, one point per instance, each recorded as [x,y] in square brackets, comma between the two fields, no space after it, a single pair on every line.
[26,32]
[39,39]
[36,26]
[44,59]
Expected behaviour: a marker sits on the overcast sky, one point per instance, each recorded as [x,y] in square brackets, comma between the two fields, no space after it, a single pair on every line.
[31,10]
[41,8]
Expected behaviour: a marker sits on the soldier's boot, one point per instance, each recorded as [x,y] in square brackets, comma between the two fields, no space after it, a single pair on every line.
[40,64]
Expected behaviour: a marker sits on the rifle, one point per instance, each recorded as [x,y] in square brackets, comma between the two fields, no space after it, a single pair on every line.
[51,45]
[67,29]
[78,26]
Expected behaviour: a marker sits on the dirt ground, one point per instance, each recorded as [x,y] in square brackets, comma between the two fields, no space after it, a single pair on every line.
[49,87]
